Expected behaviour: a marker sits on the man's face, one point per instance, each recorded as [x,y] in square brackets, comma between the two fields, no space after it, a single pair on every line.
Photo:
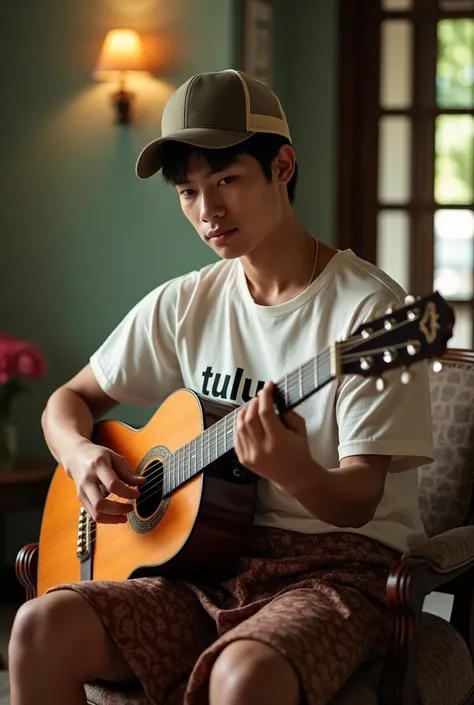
[232,210]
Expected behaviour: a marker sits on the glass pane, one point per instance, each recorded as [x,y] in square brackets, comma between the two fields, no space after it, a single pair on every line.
[454,253]
[393,245]
[455,67]
[396,64]
[454,159]
[397,5]
[394,159]
[462,5]
[462,333]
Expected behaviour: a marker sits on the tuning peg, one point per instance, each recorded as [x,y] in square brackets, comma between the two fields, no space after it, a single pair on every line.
[409,300]
[393,306]
[437,366]
[380,384]
[407,376]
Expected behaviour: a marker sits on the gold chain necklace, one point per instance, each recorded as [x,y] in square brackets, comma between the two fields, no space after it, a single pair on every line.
[315,263]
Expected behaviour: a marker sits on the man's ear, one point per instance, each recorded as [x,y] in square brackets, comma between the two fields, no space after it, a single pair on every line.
[285,164]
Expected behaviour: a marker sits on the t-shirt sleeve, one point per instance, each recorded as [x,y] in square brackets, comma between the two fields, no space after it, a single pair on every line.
[137,363]
[396,422]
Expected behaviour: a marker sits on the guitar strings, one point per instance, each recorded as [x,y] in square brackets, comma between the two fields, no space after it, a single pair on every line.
[160,470]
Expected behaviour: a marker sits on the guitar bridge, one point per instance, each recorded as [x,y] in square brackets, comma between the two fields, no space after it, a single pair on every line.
[85,533]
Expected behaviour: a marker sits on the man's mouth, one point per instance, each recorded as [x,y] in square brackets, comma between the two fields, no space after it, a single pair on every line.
[219,236]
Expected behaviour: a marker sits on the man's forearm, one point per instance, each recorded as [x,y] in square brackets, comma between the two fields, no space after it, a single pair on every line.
[66,421]
[345,496]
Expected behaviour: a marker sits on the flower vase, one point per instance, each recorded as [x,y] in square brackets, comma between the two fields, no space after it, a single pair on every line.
[8,446]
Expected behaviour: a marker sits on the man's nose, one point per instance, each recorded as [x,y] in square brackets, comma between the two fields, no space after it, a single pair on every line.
[211,207]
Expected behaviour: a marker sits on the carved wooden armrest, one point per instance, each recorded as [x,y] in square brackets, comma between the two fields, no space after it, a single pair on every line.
[26,568]
[447,558]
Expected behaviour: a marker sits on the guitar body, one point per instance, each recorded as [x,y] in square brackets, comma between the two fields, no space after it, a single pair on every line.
[198,530]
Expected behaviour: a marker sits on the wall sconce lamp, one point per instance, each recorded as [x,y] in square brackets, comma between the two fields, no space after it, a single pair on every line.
[122,51]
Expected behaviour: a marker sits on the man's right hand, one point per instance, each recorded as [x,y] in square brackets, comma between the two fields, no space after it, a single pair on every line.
[96,470]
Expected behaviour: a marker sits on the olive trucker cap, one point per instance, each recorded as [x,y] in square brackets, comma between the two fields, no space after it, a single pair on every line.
[216,109]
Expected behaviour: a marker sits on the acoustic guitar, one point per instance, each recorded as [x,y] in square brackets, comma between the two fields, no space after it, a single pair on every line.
[196,508]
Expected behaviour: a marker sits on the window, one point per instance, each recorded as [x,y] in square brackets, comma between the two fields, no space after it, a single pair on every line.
[406,147]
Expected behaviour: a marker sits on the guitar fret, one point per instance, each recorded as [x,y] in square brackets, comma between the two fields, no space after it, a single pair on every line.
[308,382]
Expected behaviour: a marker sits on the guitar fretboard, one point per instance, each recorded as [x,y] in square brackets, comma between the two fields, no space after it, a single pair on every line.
[218,439]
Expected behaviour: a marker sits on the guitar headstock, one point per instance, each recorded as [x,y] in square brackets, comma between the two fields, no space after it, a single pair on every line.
[403,336]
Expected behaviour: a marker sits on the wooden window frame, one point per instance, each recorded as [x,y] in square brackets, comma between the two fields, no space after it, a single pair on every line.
[358,120]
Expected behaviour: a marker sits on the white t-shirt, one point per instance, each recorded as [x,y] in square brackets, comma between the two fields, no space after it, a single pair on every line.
[204,331]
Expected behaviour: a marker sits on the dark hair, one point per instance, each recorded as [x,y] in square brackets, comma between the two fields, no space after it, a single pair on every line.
[262,146]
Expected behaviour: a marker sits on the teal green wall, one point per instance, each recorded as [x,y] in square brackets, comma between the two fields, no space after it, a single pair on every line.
[307,54]
[82,239]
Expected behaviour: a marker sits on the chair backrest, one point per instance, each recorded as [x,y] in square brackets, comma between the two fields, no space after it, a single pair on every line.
[446,487]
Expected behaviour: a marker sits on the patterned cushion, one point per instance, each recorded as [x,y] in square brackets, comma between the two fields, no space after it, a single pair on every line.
[445,675]
[446,486]
[108,694]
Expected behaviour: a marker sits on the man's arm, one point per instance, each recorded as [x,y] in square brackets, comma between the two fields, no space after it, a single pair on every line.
[346,496]
[68,421]
[71,411]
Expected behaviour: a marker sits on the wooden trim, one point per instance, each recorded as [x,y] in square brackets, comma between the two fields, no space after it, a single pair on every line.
[348,63]
[423,111]
[357,159]
[426,12]
[367,134]
[459,355]
[431,206]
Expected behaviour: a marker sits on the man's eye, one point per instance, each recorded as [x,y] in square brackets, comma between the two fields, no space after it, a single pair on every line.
[187,192]
[227,179]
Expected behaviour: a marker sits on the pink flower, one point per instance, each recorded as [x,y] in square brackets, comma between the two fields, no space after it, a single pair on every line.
[19,358]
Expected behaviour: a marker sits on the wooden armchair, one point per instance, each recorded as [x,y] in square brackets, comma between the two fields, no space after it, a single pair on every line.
[430,661]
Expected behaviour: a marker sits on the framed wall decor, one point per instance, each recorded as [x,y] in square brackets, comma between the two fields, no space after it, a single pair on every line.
[258,39]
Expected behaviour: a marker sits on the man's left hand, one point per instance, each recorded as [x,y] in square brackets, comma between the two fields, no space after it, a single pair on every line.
[273,447]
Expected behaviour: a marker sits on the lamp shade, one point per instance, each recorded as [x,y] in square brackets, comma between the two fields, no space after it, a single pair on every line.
[122,51]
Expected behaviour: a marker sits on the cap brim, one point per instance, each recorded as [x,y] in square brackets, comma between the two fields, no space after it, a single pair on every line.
[150,160]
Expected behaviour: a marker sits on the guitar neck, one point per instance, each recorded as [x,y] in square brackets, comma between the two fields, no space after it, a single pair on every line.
[218,439]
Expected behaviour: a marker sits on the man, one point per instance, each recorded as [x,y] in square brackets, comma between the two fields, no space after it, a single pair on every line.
[337,494]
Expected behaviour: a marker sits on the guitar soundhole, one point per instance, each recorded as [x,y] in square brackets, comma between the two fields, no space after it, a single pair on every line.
[151,493]
[150,507]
